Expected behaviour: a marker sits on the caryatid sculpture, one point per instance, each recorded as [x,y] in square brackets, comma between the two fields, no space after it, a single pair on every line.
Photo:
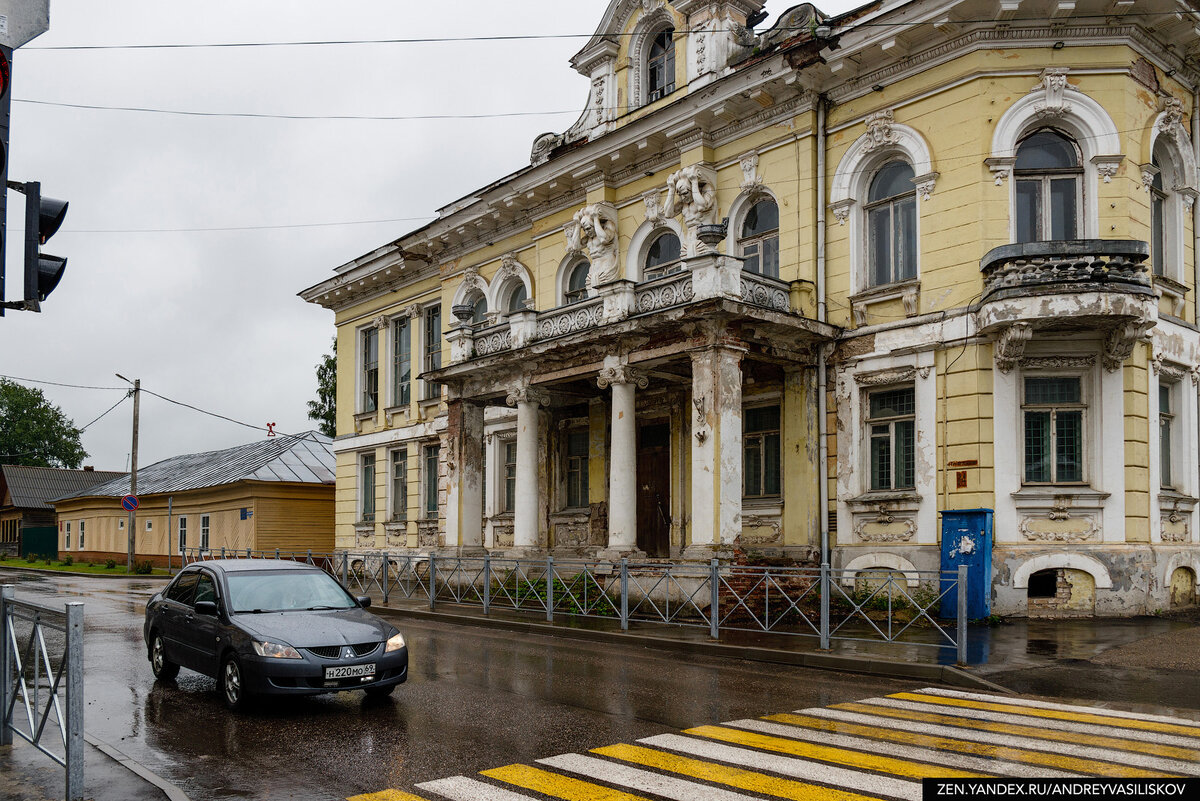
[594,232]
[692,195]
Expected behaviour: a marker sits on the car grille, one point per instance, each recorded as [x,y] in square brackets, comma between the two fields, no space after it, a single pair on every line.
[335,651]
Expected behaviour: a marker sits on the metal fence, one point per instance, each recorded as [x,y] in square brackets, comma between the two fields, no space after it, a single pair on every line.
[874,607]
[41,671]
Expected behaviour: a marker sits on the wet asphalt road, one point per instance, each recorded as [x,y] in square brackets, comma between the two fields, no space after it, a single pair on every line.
[475,699]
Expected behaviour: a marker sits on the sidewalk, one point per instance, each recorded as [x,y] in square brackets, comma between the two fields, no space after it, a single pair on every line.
[26,774]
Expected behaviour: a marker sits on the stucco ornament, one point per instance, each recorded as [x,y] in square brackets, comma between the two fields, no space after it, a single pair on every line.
[621,374]
[472,282]
[1171,122]
[692,194]
[751,180]
[543,146]
[1054,85]
[879,130]
[594,232]
[524,393]
[1010,347]
[1118,346]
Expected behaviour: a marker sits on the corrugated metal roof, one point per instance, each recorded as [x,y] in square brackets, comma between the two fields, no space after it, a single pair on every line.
[305,458]
[33,487]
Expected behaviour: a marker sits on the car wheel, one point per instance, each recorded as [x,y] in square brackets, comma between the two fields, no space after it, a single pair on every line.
[233,689]
[380,692]
[163,668]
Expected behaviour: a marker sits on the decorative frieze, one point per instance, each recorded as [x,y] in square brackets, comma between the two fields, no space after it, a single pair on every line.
[760,291]
[570,320]
[898,375]
[674,291]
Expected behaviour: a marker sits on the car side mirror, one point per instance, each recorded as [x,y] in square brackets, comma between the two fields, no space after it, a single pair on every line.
[206,608]
[364,601]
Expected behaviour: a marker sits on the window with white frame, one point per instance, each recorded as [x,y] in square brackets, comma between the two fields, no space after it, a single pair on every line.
[660,66]
[1049,187]
[433,348]
[509,451]
[204,529]
[401,362]
[1158,223]
[892,224]
[1054,409]
[577,277]
[479,309]
[66,535]
[370,370]
[759,240]
[429,480]
[761,455]
[82,533]
[517,297]
[1166,435]
[892,431]
[662,257]
[182,533]
[578,450]
[366,488]
[400,484]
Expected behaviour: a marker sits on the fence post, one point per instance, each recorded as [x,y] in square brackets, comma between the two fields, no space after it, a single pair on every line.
[222,552]
[432,581]
[487,581]
[74,732]
[276,554]
[550,589]
[714,607]
[624,595]
[7,593]
[345,568]
[962,615]
[308,557]
[824,606]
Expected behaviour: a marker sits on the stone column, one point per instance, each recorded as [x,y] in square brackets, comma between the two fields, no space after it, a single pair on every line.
[525,515]
[622,473]
[464,479]
[716,450]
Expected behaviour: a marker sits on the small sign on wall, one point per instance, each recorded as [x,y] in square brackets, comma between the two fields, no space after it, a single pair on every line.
[247,513]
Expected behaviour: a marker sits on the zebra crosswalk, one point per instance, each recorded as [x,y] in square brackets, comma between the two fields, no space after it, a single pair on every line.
[878,748]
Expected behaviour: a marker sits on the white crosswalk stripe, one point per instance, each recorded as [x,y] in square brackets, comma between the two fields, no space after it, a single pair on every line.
[642,780]
[462,788]
[1047,705]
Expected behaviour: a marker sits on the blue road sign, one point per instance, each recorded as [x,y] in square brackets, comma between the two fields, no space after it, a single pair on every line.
[129,503]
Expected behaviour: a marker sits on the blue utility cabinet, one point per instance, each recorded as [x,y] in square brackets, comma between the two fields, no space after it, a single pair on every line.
[967,540]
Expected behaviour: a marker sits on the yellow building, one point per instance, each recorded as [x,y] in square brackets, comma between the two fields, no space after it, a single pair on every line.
[821,281]
[272,494]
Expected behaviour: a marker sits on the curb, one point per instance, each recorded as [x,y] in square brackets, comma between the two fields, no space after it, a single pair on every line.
[941,674]
[44,572]
[172,792]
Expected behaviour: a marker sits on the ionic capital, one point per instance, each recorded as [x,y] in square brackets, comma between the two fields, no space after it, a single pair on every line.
[621,374]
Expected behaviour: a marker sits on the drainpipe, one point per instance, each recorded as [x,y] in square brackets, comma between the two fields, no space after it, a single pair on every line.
[822,352]
[1196,206]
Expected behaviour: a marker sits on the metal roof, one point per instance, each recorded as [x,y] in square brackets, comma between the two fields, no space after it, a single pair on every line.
[33,487]
[304,459]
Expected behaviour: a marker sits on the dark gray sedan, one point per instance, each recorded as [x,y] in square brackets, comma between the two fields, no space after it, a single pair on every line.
[261,626]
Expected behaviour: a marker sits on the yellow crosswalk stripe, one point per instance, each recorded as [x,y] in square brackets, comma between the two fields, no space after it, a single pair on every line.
[387,795]
[1011,754]
[1120,743]
[724,774]
[1078,717]
[552,784]
[825,753]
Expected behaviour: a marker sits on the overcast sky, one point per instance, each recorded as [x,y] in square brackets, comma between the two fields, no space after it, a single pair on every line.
[211,318]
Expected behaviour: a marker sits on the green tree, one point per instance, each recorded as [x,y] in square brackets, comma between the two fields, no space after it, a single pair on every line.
[324,408]
[35,432]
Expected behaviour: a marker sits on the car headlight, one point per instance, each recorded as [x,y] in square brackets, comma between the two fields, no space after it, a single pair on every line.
[274,650]
[395,642]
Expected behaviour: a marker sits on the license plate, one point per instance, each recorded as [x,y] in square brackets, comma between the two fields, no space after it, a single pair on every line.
[350,671]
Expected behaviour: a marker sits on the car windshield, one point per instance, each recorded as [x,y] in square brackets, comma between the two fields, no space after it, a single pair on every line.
[285,591]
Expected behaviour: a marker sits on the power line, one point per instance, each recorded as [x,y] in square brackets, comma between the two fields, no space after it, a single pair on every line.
[57,384]
[110,408]
[242,227]
[204,411]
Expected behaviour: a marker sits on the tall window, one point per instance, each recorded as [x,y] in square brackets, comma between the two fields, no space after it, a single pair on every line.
[204,521]
[429,504]
[510,476]
[1166,421]
[1054,410]
[433,348]
[1049,175]
[577,469]
[182,533]
[759,242]
[663,257]
[478,310]
[892,224]
[660,67]
[400,484]
[577,282]
[81,534]
[1158,220]
[891,422]
[401,362]
[370,370]
[760,451]
[66,535]
[517,298]
[366,484]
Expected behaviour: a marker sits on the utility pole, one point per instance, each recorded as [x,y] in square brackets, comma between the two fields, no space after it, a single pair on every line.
[137,397]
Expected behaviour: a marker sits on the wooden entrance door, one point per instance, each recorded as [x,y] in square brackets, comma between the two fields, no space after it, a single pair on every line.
[654,490]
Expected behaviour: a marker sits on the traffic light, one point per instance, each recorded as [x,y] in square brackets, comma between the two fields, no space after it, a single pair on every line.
[43,216]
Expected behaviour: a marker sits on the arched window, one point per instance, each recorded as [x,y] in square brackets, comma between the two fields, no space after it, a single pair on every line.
[577,282]
[759,240]
[892,224]
[479,309]
[660,66]
[662,257]
[517,298]
[1158,220]
[1049,178]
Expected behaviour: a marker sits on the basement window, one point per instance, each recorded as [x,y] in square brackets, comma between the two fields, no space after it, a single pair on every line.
[1043,584]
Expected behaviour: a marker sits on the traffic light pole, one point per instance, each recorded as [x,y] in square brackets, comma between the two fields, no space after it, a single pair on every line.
[33,206]
[132,539]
